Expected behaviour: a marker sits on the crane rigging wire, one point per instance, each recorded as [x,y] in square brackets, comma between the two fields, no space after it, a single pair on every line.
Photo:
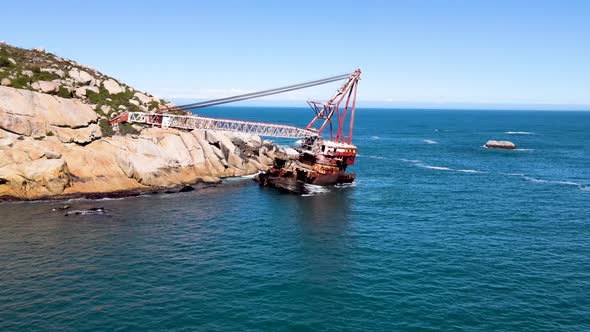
[259,94]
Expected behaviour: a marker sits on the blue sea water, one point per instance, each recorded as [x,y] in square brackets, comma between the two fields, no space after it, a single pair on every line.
[437,233]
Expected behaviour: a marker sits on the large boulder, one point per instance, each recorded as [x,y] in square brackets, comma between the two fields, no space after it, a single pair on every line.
[83,90]
[80,76]
[35,179]
[46,86]
[145,99]
[507,145]
[112,86]
[28,73]
[31,113]
[56,71]
[80,136]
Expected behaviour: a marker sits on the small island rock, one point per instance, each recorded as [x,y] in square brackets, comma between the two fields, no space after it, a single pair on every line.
[507,145]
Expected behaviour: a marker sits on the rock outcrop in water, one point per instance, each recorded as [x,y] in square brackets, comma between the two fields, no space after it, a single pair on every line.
[59,147]
[506,145]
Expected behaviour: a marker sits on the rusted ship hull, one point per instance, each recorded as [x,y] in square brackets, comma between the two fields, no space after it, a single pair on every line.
[316,162]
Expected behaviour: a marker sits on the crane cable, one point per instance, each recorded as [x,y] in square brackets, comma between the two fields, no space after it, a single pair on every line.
[258,94]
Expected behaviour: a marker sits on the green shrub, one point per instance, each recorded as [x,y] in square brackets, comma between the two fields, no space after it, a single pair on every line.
[105,128]
[21,82]
[153,105]
[64,93]
[44,76]
[5,63]
[49,133]
[127,129]
[99,111]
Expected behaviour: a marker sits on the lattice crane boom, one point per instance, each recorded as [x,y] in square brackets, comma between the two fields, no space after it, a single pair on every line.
[323,111]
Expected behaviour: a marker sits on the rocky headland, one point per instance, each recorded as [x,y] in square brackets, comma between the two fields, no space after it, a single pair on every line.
[55,141]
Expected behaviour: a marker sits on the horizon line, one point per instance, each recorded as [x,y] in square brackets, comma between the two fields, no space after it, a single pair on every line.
[418,105]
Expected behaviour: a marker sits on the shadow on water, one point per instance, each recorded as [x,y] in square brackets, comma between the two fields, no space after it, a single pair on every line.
[324,222]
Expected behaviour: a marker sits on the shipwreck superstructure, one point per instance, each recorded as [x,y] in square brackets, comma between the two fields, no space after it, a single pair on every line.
[318,160]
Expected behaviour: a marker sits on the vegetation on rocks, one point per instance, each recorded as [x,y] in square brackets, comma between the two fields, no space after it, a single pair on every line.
[52,147]
[44,72]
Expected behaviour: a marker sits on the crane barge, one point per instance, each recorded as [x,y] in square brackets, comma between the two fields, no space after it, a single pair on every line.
[318,160]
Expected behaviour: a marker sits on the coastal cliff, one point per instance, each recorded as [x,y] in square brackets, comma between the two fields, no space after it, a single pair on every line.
[54,146]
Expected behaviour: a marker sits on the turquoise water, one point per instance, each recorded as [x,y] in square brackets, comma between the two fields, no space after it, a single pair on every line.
[438,233]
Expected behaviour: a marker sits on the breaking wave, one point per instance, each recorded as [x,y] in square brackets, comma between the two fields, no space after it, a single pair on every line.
[313,190]
[411,160]
[518,133]
[558,182]
[440,168]
[375,137]
[468,171]
[419,163]
[429,141]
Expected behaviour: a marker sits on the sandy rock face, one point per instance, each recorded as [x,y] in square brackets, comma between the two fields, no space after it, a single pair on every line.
[38,178]
[156,158]
[35,114]
[53,147]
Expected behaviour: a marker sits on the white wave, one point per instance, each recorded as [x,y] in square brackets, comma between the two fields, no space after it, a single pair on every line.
[524,149]
[376,157]
[414,161]
[469,171]
[298,142]
[110,199]
[568,183]
[375,137]
[313,190]
[418,163]
[528,178]
[347,185]
[429,141]
[518,133]
[439,168]
[585,188]
[233,179]
[513,174]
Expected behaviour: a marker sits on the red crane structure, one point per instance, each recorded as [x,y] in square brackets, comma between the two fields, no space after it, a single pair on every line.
[319,160]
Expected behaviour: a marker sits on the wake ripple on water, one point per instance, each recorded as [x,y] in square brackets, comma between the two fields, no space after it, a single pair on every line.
[418,163]
[537,180]
[429,141]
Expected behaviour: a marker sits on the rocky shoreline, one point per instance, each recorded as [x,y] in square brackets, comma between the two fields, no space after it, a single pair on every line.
[117,194]
[54,147]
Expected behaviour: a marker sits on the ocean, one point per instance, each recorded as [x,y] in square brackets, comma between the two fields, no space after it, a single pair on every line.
[437,233]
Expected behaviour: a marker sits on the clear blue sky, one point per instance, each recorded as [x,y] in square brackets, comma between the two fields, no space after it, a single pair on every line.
[411,52]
